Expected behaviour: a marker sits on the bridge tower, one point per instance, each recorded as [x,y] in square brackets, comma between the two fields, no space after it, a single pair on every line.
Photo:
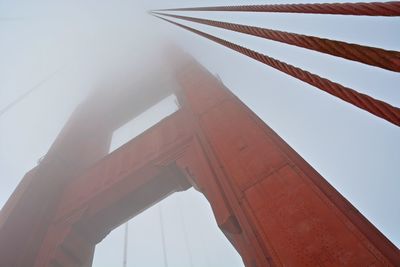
[270,203]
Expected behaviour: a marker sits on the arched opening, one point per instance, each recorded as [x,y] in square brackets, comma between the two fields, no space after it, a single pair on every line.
[192,237]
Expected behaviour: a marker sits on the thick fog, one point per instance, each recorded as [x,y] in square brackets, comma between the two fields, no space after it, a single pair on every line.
[65,49]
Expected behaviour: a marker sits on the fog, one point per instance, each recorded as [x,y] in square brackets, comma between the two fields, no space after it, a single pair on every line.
[67,49]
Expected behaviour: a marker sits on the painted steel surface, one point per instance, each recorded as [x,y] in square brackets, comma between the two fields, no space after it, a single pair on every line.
[274,207]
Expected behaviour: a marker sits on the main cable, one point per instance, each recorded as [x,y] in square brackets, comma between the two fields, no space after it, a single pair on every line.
[389,9]
[373,56]
[30,91]
[377,107]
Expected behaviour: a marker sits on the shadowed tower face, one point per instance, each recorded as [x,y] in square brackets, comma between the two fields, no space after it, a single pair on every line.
[273,207]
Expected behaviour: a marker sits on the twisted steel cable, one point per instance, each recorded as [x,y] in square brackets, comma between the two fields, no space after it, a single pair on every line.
[30,91]
[388,9]
[373,56]
[365,102]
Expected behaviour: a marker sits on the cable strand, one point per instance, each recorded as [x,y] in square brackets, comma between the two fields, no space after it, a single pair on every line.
[373,56]
[389,9]
[377,107]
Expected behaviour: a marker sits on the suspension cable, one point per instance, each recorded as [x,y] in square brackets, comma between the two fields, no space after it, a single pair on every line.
[388,9]
[373,56]
[125,254]
[30,91]
[365,102]
[185,234]
[160,216]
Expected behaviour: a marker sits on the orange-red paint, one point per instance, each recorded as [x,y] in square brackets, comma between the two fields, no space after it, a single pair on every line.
[274,207]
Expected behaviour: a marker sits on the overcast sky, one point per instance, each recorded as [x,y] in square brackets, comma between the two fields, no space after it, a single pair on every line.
[89,41]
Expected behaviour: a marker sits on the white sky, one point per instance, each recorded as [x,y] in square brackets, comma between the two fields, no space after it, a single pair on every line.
[356,152]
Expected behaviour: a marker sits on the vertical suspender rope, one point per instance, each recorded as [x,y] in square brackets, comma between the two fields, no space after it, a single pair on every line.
[125,256]
[185,234]
[160,216]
